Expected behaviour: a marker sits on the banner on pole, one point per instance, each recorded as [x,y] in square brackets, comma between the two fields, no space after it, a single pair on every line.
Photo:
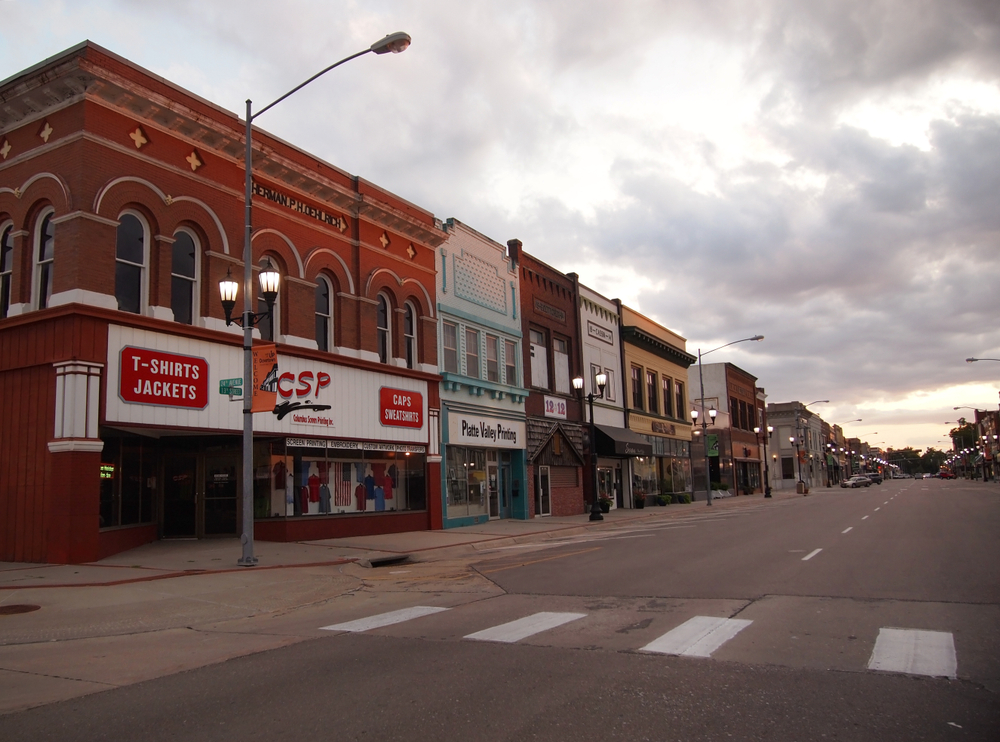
[265,378]
[712,441]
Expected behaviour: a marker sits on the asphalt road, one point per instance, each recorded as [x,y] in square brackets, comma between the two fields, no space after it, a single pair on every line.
[584,639]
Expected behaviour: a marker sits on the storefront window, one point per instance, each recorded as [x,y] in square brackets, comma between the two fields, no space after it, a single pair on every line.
[128,482]
[466,481]
[644,476]
[305,480]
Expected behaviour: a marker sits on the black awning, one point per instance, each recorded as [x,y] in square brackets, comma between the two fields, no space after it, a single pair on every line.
[613,441]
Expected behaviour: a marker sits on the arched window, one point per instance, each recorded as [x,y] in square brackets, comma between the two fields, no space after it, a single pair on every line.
[269,325]
[6,266]
[383,313]
[45,238]
[324,314]
[184,278]
[130,264]
[410,335]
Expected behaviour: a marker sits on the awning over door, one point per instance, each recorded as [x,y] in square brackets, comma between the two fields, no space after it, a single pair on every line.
[613,441]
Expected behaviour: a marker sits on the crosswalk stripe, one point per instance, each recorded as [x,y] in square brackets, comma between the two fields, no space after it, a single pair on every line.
[522,628]
[698,637]
[915,652]
[384,619]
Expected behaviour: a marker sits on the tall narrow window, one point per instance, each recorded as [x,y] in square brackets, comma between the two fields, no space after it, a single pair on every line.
[410,335]
[268,326]
[510,362]
[595,369]
[492,358]
[383,314]
[324,313]
[667,385]
[6,267]
[679,403]
[449,342]
[637,387]
[539,359]
[652,404]
[183,278]
[45,238]
[130,263]
[609,389]
[560,364]
[472,353]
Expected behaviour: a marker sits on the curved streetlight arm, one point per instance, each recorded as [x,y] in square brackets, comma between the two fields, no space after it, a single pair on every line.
[297,88]
[744,340]
[973,360]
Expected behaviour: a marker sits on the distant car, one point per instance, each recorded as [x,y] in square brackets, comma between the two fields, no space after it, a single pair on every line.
[874,476]
[858,480]
[947,475]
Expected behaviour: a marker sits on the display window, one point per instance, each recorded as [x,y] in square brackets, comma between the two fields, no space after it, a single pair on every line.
[128,481]
[306,480]
[466,480]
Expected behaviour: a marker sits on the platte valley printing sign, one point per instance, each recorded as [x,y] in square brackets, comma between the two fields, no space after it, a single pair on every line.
[489,432]
[153,377]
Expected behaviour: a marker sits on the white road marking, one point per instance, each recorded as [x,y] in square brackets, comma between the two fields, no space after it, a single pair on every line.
[886,502]
[811,554]
[877,509]
[522,628]
[847,529]
[915,652]
[865,518]
[400,572]
[384,619]
[698,637]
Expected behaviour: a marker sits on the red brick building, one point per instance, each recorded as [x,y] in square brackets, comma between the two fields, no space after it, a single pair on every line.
[121,210]
[554,411]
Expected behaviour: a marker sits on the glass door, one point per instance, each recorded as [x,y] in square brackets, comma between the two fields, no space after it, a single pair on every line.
[180,496]
[494,490]
[221,490]
[543,492]
[505,503]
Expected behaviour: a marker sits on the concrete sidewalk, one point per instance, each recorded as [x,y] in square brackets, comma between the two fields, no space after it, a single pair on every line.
[185,557]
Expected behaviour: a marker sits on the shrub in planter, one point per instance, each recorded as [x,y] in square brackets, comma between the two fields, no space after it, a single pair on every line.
[605,503]
[640,501]
[683,498]
[663,499]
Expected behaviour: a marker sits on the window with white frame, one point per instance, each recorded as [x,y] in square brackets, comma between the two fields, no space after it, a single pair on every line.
[382,314]
[472,353]
[324,313]
[6,266]
[44,260]
[184,278]
[492,358]
[560,364]
[609,390]
[131,253]
[510,362]
[449,344]
[539,359]
[410,335]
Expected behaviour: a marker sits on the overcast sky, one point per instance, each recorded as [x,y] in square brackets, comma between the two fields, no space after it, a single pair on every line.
[826,174]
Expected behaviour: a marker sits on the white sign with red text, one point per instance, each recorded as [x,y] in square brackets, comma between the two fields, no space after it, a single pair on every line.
[313,398]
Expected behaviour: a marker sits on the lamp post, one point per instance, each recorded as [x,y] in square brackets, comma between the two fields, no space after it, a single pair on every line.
[394,43]
[704,422]
[767,473]
[601,380]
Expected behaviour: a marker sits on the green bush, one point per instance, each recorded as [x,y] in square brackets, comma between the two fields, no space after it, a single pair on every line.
[664,499]
[683,498]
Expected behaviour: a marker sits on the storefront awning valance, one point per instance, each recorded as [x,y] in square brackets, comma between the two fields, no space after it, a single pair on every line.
[612,441]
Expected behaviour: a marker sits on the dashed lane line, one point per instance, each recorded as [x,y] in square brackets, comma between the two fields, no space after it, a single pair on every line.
[811,554]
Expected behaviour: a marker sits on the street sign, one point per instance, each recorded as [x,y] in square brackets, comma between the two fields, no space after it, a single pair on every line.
[231,386]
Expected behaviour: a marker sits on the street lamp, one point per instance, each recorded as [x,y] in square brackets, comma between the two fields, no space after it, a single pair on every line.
[394,43]
[601,380]
[767,473]
[973,360]
[704,422]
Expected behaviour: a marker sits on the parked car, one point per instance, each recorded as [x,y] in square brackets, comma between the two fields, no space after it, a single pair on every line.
[874,476]
[947,475]
[858,480]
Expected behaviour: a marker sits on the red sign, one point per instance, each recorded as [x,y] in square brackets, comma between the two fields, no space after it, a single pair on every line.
[153,377]
[401,409]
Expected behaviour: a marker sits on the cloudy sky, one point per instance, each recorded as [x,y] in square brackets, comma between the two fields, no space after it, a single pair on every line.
[824,173]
